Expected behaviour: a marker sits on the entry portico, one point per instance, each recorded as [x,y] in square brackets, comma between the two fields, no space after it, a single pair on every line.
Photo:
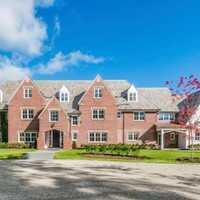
[172,136]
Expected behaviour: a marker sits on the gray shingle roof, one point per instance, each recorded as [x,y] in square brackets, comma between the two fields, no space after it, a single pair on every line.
[148,98]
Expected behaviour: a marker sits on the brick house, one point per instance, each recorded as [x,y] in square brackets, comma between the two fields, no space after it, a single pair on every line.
[56,114]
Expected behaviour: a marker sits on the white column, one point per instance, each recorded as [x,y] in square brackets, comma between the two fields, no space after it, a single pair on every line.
[162,139]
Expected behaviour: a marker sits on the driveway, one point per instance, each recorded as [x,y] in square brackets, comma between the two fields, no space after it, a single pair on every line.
[97,180]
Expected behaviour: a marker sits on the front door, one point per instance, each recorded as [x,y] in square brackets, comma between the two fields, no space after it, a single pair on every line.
[56,139]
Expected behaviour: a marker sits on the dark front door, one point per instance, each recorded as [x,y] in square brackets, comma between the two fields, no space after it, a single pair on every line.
[56,139]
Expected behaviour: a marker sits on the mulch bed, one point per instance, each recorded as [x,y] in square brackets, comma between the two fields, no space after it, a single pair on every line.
[113,156]
[189,159]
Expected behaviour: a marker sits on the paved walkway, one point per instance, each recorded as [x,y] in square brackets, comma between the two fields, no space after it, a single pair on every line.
[97,180]
[41,155]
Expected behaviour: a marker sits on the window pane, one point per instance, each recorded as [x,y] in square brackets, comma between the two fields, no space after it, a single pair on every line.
[98,137]
[104,137]
[92,137]
[101,114]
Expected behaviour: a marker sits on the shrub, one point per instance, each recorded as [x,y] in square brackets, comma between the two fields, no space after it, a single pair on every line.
[14,146]
[117,149]
[195,146]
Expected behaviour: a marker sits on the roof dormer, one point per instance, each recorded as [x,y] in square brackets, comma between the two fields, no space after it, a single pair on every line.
[64,94]
[1,96]
[132,95]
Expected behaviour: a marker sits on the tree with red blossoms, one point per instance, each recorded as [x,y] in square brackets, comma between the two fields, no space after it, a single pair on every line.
[186,92]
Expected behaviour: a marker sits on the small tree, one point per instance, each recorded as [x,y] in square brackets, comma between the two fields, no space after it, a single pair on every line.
[186,92]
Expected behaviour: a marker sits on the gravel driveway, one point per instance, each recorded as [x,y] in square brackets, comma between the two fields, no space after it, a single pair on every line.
[95,180]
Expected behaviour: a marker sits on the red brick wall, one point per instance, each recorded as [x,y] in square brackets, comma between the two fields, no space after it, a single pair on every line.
[15,124]
[46,125]
[109,124]
[146,128]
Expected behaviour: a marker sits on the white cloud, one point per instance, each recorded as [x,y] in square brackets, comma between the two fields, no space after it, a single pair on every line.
[61,61]
[44,3]
[10,71]
[21,30]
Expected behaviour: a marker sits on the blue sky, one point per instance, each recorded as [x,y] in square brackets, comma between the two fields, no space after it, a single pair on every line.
[144,41]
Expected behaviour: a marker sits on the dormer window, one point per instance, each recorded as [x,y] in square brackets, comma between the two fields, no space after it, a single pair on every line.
[132,94]
[64,94]
[132,97]
[97,92]
[1,96]
[28,92]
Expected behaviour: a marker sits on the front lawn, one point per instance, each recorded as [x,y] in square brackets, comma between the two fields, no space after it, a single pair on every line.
[13,153]
[154,156]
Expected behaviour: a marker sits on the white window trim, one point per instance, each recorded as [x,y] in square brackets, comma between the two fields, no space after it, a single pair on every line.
[98,108]
[27,87]
[99,131]
[166,120]
[53,110]
[133,132]
[195,137]
[139,120]
[77,120]
[27,108]
[64,90]
[74,132]
[97,87]
[18,135]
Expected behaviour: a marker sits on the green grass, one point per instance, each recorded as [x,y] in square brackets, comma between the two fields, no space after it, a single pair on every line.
[154,156]
[6,154]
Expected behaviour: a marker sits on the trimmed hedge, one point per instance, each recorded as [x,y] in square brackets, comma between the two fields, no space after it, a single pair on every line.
[14,146]
[119,149]
[195,146]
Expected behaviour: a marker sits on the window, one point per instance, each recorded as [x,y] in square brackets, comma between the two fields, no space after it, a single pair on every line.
[119,115]
[74,136]
[139,116]
[166,116]
[98,137]
[1,96]
[172,136]
[132,96]
[132,136]
[74,120]
[197,136]
[64,97]
[27,114]
[98,114]
[54,116]
[64,94]
[97,92]
[27,92]
[27,137]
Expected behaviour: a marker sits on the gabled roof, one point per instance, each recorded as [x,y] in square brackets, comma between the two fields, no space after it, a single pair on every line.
[149,98]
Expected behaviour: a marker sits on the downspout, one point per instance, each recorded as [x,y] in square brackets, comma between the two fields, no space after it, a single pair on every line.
[123,126]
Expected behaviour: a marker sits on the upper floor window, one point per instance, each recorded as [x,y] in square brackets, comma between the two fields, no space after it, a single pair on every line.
[98,114]
[132,94]
[28,92]
[53,116]
[64,94]
[74,120]
[64,97]
[132,136]
[166,116]
[132,97]
[197,136]
[97,92]
[139,116]
[1,96]
[27,114]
